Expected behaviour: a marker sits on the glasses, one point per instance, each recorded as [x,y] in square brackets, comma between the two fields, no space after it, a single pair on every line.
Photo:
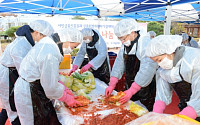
[123,39]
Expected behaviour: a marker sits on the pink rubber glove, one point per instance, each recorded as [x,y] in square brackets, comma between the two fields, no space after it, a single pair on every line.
[189,111]
[69,100]
[74,68]
[85,68]
[159,106]
[112,85]
[66,89]
[130,92]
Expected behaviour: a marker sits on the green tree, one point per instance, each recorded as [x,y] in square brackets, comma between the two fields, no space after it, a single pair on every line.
[177,28]
[10,32]
[156,27]
[78,18]
[3,33]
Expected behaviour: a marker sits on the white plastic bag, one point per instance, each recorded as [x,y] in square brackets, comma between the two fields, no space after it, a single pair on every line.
[152,118]
[198,43]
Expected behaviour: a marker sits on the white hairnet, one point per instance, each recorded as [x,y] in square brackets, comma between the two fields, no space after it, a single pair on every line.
[70,35]
[125,26]
[87,32]
[185,36]
[163,44]
[152,33]
[42,26]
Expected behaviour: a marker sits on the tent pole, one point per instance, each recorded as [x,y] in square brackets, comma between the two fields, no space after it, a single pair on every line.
[167,25]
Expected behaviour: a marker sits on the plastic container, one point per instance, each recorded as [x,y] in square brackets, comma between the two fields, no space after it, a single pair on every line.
[121,83]
[112,57]
[66,63]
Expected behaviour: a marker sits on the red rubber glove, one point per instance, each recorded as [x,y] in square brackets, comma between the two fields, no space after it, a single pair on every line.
[130,92]
[159,106]
[69,100]
[189,111]
[110,88]
[66,89]
[85,68]
[74,68]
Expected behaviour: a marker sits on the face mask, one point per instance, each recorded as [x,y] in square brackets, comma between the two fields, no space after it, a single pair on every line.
[127,43]
[67,50]
[166,63]
[86,41]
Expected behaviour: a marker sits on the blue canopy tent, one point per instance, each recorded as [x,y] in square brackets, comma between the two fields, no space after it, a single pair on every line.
[52,7]
[148,10]
[154,10]
[180,13]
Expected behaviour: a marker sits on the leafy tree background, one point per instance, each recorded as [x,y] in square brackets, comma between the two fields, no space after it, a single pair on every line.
[78,18]
[10,32]
[157,27]
[177,28]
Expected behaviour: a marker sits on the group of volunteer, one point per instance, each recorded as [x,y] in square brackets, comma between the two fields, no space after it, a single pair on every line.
[29,72]
[153,68]
[30,69]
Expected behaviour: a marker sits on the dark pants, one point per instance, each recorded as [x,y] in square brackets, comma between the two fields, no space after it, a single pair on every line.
[3,117]
[16,121]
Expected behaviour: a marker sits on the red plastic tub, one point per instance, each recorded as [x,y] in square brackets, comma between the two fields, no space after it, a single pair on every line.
[121,83]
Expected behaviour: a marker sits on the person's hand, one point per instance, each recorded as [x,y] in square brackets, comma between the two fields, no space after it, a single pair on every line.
[130,92]
[128,95]
[69,100]
[74,68]
[111,87]
[159,106]
[85,68]
[109,90]
[66,89]
[189,111]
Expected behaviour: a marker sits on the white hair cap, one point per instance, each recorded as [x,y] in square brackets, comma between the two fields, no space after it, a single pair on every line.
[185,36]
[87,32]
[152,33]
[42,26]
[163,44]
[125,26]
[70,35]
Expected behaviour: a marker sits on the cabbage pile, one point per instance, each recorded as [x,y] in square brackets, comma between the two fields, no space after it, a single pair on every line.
[82,84]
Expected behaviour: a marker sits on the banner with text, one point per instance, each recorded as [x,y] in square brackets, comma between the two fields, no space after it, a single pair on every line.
[105,28]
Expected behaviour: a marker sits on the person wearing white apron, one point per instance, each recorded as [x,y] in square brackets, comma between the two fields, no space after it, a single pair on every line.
[152,34]
[139,70]
[189,41]
[10,61]
[66,47]
[96,49]
[179,71]
[0,49]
